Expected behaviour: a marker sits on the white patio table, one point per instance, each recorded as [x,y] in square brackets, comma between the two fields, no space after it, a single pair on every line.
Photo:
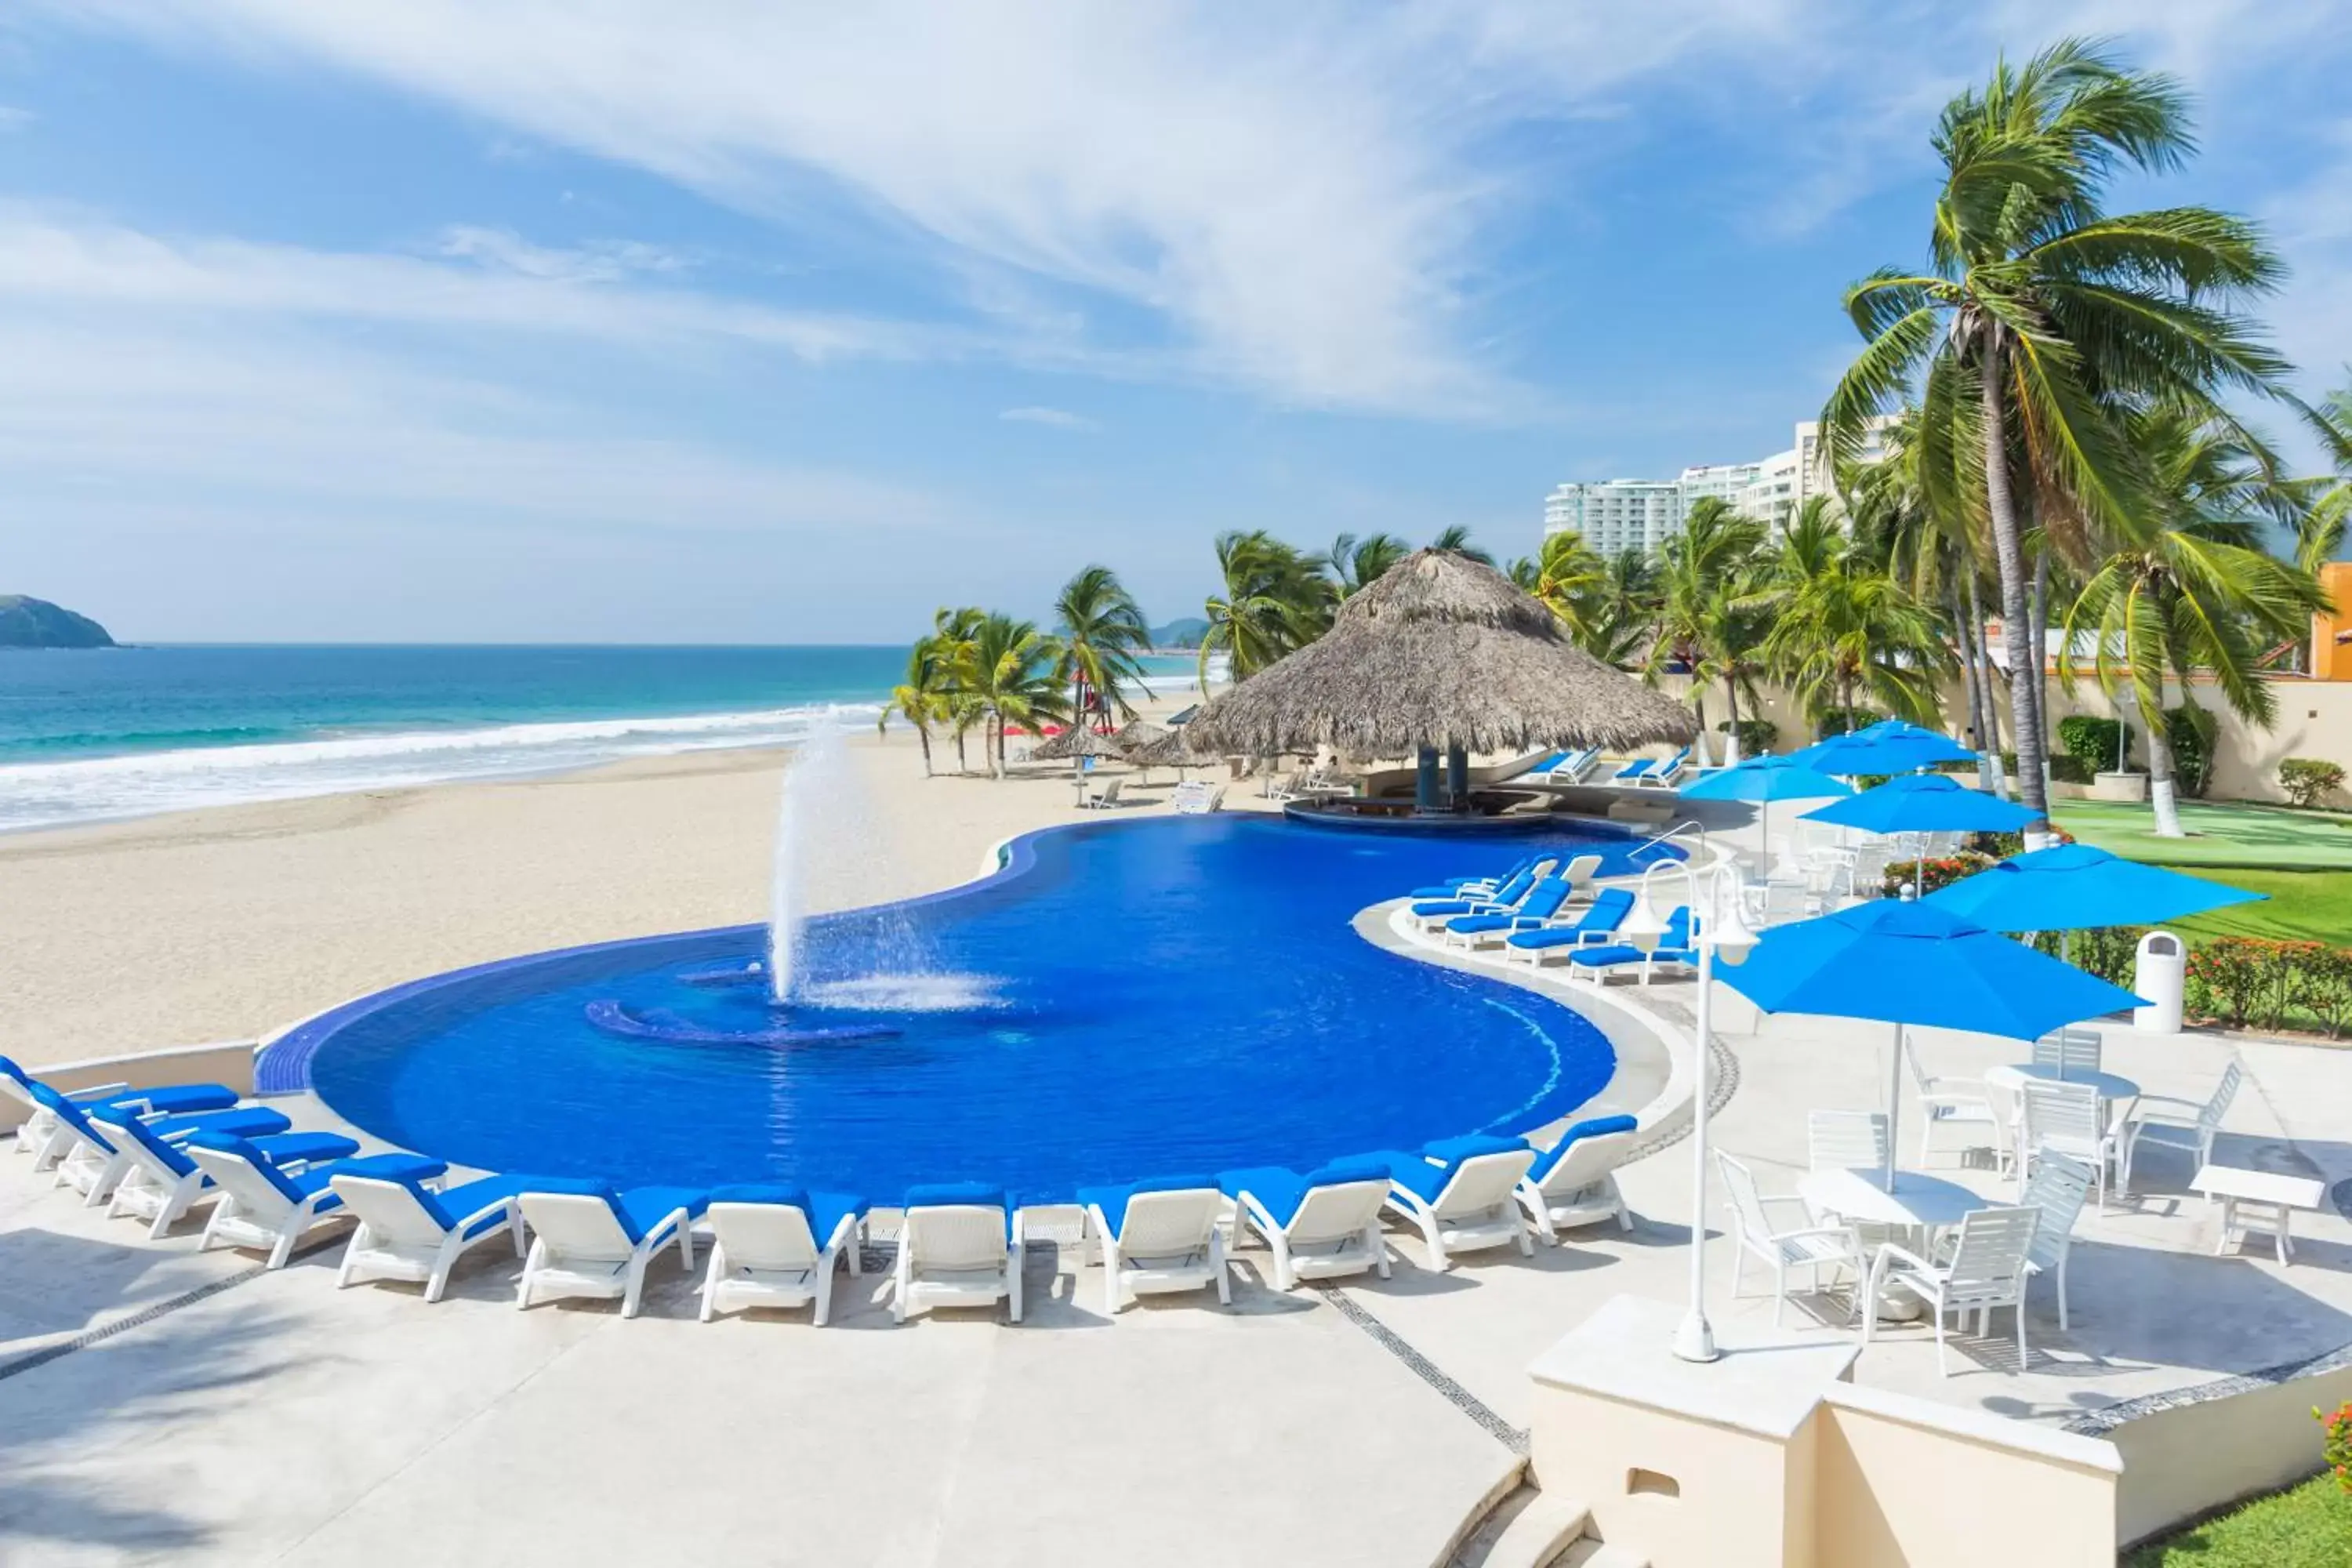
[1920,1204]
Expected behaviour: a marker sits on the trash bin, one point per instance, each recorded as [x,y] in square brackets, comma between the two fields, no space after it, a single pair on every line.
[2158,977]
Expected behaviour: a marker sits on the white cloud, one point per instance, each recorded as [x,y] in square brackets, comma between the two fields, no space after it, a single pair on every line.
[12,118]
[1058,418]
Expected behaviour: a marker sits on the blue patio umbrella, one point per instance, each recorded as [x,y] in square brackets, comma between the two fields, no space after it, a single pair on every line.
[2074,887]
[1925,803]
[1908,963]
[1765,780]
[1887,747]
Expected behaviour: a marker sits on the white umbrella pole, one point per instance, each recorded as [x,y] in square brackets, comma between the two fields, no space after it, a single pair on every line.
[1894,1107]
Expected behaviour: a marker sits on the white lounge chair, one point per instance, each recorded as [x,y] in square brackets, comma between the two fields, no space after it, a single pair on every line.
[589,1240]
[1574,1182]
[1955,1107]
[157,1182]
[1107,799]
[1158,1235]
[1667,774]
[1464,1194]
[2065,1117]
[272,1207]
[1785,1248]
[777,1247]
[1320,1226]
[86,1149]
[2060,1187]
[1987,1269]
[959,1246]
[41,1122]
[2166,1122]
[409,1231]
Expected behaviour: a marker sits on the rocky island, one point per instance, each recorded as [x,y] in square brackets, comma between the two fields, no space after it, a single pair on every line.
[27,622]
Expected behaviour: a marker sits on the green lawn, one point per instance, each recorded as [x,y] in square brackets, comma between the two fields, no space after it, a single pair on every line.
[2221,834]
[2302,906]
[2309,1527]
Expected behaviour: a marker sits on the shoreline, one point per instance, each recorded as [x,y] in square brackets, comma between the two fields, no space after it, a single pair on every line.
[228,923]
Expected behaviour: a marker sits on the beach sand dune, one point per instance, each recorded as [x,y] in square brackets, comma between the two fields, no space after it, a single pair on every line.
[226,923]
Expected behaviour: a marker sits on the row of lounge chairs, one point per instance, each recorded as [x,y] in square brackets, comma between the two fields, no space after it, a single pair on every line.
[1528,914]
[1641,772]
[156,1154]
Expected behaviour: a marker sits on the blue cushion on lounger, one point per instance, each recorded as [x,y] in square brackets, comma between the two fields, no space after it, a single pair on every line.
[159,1137]
[1453,1150]
[178,1099]
[1415,1174]
[824,1210]
[1602,957]
[636,1211]
[1112,1201]
[9,1070]
[1280,1190]
[946,1195]
[1593,1127]
[292,1188]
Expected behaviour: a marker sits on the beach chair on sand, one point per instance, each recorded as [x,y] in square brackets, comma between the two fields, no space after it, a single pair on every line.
[1159,1235]
[1574,1182]
[409,1231]
[589,1240]
[1107,799]
[959,1246]
[1463,1194]
[40,1123]
[777,1247]
[158,1181]
[1596,928]
[272,1207]
[89,1157]
[1320,1226]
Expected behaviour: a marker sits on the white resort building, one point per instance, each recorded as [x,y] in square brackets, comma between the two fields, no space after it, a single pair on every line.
[1614,515]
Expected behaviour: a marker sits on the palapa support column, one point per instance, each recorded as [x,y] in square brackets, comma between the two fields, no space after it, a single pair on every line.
[1424,783]
[1457,778]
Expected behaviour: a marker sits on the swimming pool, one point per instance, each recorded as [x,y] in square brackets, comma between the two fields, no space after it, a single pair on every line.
[1123,999]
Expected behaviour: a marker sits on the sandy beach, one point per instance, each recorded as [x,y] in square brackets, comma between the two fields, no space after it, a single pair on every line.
[226,923]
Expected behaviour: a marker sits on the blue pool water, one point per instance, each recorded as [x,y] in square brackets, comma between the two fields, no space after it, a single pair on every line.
[1126,999]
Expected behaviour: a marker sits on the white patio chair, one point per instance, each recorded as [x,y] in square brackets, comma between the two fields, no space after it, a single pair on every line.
[1810,1247]
[777,1247]
[2166,1122]
[2007,1114]
[959,1246]
[1846,1141]
[2071,1051]
[1956,1106]
[2065,1117]
[2060,1187]
[1159,1237]
[1987,1271]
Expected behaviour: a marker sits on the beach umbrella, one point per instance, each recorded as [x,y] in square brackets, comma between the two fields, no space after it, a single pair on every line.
[1765,780]
[1078,742]
[1924,803]
[1440,654]
[2075,887]
[1889,747]
[1908,964]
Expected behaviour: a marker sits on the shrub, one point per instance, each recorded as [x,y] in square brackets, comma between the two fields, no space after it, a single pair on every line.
[2337,1449]
[2067,769]
[1940,871]
[2245,980]
[1757,736]
[2008,763]
[2192,729]
[2090,742]
[2321,984]
[1844,720]
[2309,780]
[2111,953]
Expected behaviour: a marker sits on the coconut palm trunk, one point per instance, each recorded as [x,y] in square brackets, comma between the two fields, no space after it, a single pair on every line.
[2016,625]
[1988,712]
[2162,768]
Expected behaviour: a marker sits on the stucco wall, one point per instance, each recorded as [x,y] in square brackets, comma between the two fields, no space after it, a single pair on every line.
[2185,1461]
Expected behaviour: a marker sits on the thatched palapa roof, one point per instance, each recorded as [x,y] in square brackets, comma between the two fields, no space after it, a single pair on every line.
[1170,750]
[1137,733]
[1077,741]
[1440,652]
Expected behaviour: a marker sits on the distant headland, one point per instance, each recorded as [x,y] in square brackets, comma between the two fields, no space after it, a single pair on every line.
[27,622]
[1183,633]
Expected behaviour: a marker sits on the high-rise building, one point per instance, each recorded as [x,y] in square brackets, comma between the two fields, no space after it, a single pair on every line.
[1613,515]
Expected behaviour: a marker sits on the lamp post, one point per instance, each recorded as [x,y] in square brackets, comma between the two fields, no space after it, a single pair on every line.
[1719,927]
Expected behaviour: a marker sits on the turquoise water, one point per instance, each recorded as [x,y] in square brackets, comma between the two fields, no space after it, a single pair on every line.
[122,732]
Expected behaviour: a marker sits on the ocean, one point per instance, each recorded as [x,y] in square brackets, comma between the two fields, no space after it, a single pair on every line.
[118,733]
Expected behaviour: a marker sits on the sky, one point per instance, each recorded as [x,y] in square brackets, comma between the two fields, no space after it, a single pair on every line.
[735,321]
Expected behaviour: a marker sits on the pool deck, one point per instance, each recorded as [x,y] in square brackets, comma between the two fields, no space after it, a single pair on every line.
[161,1405]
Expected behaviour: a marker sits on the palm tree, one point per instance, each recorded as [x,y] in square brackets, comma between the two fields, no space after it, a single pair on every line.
[1704,571]
[1843,628]
[1455,540]
[924,697]
[1357,563]
[1624,620]
[1012,671]
[1102,634]
[1568,576]
[1275,600]
[953,627]
[2328,501]
[2188,586]
[2041,309]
